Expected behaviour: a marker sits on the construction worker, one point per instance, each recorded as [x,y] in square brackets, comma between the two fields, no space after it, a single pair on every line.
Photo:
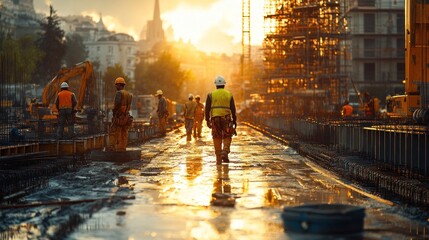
[199,117]
[66,104]
[122,120]
[376,101]
[221,118]
[32,108]
[162,112]
[14,135]
[189,114]
[368,105]
[347,110]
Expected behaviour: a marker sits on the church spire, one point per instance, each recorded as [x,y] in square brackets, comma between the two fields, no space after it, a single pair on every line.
[100,24]
[156,12]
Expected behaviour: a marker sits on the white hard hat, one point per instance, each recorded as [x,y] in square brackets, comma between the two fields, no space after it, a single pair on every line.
[191,96]
[159,92]
[64,85]
[219,81]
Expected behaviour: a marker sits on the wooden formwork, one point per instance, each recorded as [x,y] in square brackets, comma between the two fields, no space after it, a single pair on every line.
[19,149]
[75,146]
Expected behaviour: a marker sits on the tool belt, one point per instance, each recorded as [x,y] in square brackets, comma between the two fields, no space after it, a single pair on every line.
[122,119]
[223,126]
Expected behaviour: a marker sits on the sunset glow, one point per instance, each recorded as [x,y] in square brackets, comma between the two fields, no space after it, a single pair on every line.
[215,27]
[113,24]
[210,25]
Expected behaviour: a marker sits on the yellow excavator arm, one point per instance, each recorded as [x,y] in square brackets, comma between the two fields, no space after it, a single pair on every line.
[83,69]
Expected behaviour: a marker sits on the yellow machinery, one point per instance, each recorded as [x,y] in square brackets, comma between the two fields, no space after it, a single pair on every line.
[414,103]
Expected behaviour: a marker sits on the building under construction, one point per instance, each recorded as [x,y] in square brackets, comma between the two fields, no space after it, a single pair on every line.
[304,52]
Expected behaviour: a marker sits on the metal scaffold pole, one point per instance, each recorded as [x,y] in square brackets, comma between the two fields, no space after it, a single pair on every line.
[246,47]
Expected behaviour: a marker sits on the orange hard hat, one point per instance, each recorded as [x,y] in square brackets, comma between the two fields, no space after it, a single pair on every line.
[120,80]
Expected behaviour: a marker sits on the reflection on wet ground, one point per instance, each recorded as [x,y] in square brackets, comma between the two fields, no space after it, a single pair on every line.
[180,193]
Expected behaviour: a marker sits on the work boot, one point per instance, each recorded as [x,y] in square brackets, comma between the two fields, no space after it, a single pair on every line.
[218,159]
[225,157]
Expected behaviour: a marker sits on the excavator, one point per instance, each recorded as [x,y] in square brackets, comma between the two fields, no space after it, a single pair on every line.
[70,75]
[415,102]
[81,80]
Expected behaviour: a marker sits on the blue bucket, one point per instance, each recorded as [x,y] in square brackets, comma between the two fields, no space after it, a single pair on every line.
[323,219]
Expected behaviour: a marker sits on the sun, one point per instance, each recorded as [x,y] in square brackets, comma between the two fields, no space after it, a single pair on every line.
[190,23]
[195,24]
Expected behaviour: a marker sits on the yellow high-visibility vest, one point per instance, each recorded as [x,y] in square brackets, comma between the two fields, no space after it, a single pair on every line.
[221,100]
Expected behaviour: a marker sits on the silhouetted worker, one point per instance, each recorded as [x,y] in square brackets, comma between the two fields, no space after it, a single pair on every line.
[66,104]
[368,105]
[162,112]
[189,114]
[199,117]
[15,136]
[122,120]
[221,118]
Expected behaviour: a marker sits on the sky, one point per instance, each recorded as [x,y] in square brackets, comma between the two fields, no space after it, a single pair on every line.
[210,25]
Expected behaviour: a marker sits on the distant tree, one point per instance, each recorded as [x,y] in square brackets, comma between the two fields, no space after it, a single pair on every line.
[75,50]
[109,79]
[165,74]
[22,56]
[52,43]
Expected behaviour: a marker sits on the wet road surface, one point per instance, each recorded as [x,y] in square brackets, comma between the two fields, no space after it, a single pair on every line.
[178,192]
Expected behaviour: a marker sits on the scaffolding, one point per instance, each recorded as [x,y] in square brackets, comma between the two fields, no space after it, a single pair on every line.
[304,52]
[245,48]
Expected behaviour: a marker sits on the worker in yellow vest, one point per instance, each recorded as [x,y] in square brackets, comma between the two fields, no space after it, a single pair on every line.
[66,104]
[221,118]
[121,120]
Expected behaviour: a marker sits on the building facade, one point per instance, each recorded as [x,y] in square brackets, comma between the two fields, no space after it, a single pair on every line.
[18,18]
[376,34]
[115,49]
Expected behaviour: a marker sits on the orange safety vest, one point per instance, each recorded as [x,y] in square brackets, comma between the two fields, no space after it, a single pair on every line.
[199,111]
[65,99]
[347,110]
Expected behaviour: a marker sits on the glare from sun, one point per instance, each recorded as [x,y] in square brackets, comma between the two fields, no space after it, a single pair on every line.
[112,24]
[189,24]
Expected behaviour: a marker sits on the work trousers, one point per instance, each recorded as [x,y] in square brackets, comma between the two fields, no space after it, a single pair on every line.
[118,138]
[198,126]
[222,137]
[189,124]
[162,124]
[65,119]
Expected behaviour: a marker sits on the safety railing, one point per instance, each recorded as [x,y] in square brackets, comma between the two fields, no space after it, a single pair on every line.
[399,148]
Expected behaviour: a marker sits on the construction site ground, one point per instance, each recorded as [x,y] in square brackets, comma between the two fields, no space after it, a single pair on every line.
[176,191]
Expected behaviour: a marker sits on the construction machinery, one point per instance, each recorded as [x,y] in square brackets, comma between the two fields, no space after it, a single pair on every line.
[80,77]
[79,86]
[415,102]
